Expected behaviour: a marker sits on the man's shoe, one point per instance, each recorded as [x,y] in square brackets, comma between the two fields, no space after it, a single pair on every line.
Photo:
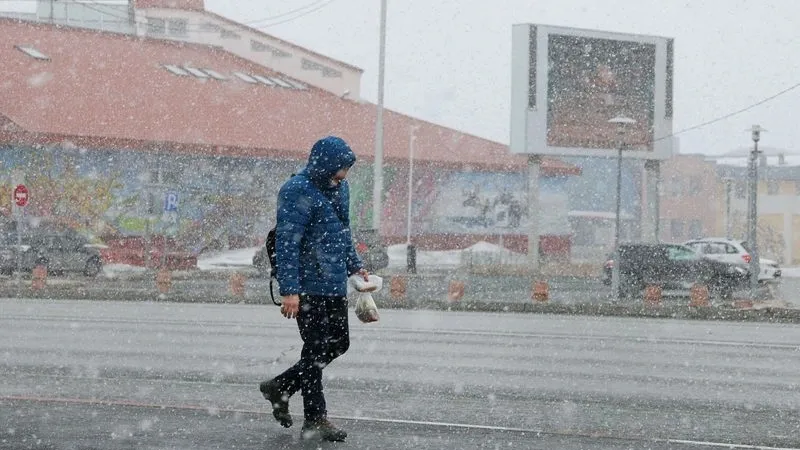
[279,401]
[321,429]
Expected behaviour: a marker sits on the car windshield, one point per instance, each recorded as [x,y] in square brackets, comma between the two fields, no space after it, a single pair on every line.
[676,253]
[745,246]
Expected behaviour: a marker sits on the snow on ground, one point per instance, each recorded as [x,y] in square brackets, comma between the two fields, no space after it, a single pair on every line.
[442,259]
[115,270]
[790,272]
[227,259]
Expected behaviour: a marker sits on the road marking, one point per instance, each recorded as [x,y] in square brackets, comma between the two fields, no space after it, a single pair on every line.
[133,403]
[477,333]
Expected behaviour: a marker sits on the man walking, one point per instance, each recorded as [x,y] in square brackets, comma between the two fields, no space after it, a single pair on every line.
[315,256]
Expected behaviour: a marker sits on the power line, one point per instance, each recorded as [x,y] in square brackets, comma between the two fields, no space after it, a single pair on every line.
[303,11]
[734,113]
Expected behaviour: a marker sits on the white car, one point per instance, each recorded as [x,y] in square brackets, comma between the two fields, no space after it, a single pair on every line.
[734,252]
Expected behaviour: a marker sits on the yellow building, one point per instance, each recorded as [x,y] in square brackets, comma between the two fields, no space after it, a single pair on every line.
[778,209]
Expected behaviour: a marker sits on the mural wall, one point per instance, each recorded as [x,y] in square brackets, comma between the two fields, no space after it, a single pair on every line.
[216,201]
[451,202]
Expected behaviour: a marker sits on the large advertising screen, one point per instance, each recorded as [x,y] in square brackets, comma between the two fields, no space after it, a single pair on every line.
[593,80]
[568,85]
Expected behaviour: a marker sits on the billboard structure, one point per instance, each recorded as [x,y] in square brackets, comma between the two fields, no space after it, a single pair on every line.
[568,83]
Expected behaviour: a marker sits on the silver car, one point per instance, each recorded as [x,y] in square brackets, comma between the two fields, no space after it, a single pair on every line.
[59,252]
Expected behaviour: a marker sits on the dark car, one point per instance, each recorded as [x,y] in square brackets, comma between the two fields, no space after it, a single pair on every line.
[671,266]
[367,243]
[60,251]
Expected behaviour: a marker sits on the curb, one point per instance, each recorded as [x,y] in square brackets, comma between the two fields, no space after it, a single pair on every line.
[760,312]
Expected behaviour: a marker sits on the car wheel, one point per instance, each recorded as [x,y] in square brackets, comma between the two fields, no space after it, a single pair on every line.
[630,287]
[92,268]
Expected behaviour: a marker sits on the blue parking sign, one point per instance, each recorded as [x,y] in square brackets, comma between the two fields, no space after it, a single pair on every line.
[171,202]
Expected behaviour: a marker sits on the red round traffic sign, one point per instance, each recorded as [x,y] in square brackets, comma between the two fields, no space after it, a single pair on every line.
[21,195]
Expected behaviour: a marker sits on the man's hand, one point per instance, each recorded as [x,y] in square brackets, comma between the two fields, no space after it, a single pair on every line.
[290,306]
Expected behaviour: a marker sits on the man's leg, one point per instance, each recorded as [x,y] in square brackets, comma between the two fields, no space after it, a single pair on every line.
[306,374]
[337,340]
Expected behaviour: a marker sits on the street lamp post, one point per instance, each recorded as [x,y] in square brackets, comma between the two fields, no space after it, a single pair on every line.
[752,210]
[411,141]
[377,188]
[411,251]
[621,123]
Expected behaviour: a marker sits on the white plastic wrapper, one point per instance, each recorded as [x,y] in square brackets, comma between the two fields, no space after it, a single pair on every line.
[362,290]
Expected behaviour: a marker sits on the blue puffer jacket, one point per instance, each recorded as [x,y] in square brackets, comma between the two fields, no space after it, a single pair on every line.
[314,245]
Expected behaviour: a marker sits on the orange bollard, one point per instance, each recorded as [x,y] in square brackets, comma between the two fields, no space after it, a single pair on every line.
[237,284]
[698,296]
[455,291]
[743,304]
[38,277]
[540,292]
[652,296]
[398,286]
[163,281]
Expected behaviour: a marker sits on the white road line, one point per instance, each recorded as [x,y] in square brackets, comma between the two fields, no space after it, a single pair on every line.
[707,342]
[464,426]
[565,434]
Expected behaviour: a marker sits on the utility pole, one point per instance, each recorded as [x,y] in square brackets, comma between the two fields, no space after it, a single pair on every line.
[621,123]
[752,210]
[377,188]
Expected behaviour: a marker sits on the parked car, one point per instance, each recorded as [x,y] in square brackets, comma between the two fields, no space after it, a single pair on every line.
[368,245]
[673,267]
[734,252]
[59,251]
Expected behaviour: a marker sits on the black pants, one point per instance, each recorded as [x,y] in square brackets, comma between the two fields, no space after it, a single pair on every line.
[326,335]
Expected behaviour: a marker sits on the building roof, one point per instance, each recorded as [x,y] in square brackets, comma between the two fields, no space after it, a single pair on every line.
[107,90]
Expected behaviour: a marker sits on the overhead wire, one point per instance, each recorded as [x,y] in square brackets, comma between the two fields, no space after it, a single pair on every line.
[262,23]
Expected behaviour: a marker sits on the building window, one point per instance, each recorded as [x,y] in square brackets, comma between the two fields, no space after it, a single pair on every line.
[228,34]
[32,52]
[773,187]
[695,185]
[257,46]
[327,72]
[330,73]
[741,190]
[208,26]
[674,187]
[676,228]
[156,26]
[695,229]
[260,47]
[178,27]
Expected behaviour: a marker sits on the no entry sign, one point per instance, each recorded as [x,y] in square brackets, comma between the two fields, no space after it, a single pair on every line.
[21,195]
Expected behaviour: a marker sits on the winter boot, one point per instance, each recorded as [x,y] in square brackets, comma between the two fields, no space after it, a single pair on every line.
[279,401]
[322,429]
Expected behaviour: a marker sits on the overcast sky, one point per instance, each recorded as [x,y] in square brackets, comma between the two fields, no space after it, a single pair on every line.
[448,61]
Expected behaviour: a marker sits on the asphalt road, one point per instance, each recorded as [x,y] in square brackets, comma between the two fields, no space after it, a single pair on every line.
[83,374]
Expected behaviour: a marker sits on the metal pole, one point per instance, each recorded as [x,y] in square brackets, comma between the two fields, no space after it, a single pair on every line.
[728,224]
[615,281]
[411,140]
[18,256]
[534,168]
[377,188]
[620,122]
[753,212]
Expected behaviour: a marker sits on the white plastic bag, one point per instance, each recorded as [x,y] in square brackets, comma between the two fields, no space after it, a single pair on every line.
[362,290]
[366,310]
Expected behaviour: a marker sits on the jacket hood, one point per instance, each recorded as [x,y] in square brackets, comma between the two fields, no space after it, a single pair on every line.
[328,156]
